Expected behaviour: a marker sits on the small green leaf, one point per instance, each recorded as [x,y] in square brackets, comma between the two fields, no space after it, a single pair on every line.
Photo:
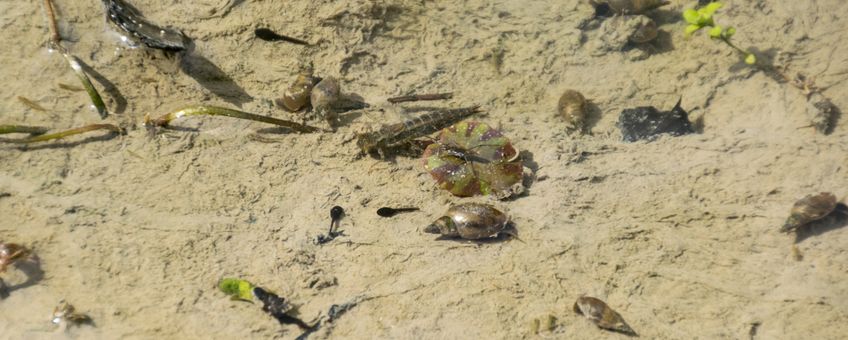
[751,59]
[729,32]
[711,8]
[237,288]
[715,32]
[691,16]
[692,29]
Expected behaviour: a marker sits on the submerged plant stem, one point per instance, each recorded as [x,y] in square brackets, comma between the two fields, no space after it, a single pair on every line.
[66,133]
[55,42]
[166,119]
[34,130]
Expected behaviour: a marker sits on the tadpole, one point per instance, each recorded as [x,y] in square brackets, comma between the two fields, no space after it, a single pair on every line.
[336,214]
[389,212]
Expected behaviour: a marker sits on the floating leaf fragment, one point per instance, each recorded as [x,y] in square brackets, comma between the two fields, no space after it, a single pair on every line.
[471,158]
[237,289]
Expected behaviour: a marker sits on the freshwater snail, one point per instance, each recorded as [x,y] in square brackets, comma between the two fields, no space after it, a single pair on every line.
[297,95]
[610,7]
[601,315]
[572,107]
[645,31]
[470,221]
[808,209]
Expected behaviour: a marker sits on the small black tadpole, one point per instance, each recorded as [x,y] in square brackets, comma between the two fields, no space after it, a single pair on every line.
[389,212]
[336,214]
[269,35]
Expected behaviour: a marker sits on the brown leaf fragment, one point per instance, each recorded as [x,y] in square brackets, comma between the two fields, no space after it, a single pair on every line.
[602,315]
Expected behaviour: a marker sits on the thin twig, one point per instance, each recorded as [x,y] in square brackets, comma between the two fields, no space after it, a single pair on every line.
[55,38]
[418,97]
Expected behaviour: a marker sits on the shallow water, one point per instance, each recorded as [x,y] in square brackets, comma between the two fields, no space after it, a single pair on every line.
[679,235]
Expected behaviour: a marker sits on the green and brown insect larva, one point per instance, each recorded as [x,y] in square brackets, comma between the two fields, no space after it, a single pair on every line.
[601,315]
[389,136]
[572,107]
[128,19]
[808,209]
[470,221]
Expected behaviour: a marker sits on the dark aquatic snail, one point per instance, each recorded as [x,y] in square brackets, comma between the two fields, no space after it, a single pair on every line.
[645,32]
[470,221]
[610,7]
[808,209]
[572,107]
[601,315]
[297,95]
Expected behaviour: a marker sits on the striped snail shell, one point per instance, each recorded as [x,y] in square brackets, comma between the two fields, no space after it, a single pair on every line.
[470,221]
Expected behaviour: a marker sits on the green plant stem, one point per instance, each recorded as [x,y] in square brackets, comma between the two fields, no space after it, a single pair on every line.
[166,119]
[727,41]
[66,133]
[96,100]
[56,42]
[34,130]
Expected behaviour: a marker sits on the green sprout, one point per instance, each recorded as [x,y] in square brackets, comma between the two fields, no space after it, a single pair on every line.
[703,17]
[237,289]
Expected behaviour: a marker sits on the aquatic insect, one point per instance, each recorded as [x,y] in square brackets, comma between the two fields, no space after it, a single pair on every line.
[65,312]
[11,253]
[610,7]
[389,212]
[470,221]
[645,32]
[390,136]
[471,158]
[808,209]
[128,19]
[297,95]
[601,315]
[646,122]
[31,104]
[572,107]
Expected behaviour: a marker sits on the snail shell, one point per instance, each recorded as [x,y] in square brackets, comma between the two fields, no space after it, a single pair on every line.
[808,209]
[325,93]
[470,221]
[297,95]
[572,106]
[601,315]
[629,6]
[645,32]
